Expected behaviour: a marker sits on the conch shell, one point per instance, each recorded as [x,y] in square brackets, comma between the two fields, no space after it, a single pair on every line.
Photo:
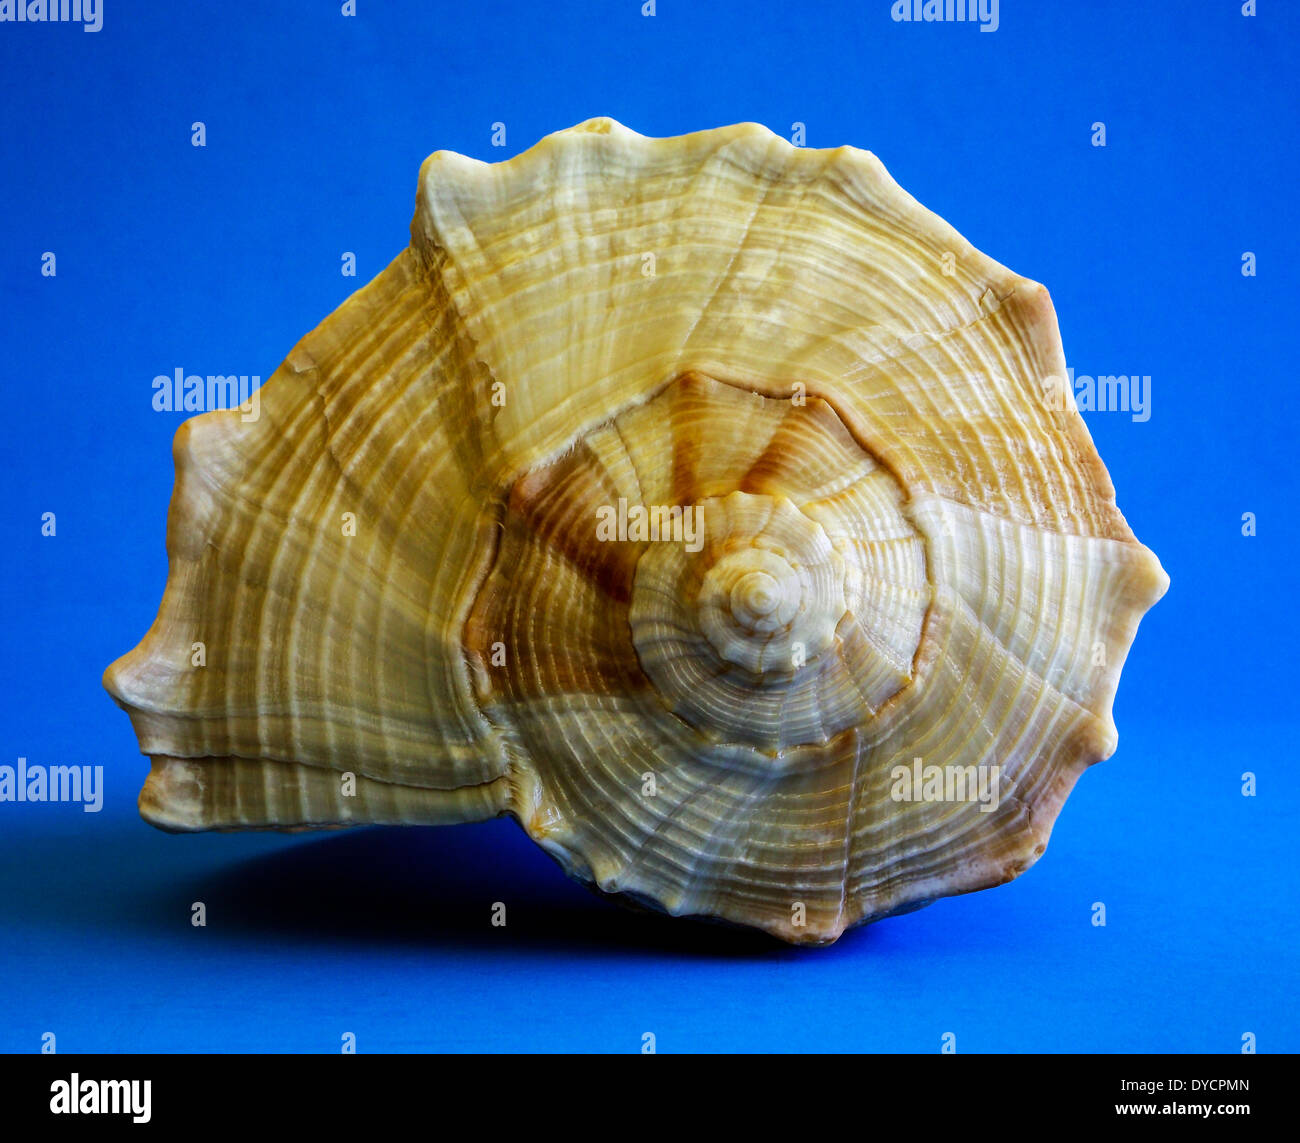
[706,504]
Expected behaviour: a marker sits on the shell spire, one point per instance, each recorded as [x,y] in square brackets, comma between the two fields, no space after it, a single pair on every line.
[704,503]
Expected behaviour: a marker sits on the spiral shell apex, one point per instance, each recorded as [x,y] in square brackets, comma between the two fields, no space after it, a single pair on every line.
[704,503]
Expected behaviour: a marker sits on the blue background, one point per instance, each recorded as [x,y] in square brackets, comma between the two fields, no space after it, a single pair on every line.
[217,260]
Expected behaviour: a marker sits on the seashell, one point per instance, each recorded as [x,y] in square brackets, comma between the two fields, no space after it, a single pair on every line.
[705,503]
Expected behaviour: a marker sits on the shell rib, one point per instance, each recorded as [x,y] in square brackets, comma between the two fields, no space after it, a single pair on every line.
[906,549]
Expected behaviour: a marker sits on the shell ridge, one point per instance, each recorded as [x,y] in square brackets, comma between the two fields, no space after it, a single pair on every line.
[850,816]
[1046,687]
[724,276]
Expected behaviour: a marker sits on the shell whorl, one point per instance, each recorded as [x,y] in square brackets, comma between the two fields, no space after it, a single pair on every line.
[799,615]
[698,484]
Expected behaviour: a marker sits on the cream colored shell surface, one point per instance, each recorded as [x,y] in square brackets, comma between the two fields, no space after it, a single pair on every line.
[892,542]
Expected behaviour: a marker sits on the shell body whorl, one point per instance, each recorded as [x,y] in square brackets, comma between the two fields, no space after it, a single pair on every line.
[700,502]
